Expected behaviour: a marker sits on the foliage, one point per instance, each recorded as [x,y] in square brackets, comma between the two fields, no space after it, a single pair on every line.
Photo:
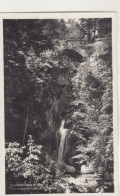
[14,158]
[33,166]
[93,114]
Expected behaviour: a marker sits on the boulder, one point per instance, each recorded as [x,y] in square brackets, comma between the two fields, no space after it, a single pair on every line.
[68,168]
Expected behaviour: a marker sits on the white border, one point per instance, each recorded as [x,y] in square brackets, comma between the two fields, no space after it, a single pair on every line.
[114,47]
[58,5]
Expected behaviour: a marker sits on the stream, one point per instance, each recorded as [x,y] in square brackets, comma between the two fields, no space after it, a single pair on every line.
[80,183]
[82,180]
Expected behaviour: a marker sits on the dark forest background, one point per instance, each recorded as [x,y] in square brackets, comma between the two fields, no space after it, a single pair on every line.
[57,69]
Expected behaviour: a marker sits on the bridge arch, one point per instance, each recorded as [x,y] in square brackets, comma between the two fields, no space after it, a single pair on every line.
[73,55]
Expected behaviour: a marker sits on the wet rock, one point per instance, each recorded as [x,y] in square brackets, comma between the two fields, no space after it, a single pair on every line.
[68,168]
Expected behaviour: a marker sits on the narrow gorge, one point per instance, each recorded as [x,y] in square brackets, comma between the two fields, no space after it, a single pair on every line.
[58,105]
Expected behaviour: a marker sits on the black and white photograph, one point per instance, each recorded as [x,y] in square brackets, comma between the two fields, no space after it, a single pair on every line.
[58,105]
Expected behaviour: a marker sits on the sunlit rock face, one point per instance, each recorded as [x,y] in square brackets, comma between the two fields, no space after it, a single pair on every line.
[52,112]
[57,103]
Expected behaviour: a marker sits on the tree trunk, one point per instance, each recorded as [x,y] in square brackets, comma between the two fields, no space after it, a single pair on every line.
[26,125]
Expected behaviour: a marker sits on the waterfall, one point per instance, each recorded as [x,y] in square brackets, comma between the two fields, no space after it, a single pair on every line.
[63,134]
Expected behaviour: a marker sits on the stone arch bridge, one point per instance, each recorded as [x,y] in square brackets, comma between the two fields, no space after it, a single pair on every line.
[71,48]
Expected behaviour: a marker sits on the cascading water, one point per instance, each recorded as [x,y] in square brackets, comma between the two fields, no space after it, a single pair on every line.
[63,134]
